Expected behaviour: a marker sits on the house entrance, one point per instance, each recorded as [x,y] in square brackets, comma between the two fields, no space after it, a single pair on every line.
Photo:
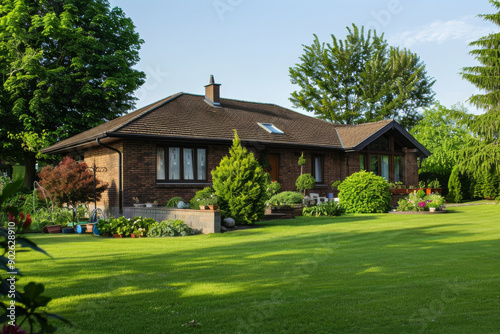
[274,164]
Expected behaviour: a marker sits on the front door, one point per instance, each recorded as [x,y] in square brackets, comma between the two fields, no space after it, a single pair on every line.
[274,164]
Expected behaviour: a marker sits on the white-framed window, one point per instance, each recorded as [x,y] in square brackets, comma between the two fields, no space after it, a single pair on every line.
[181,164]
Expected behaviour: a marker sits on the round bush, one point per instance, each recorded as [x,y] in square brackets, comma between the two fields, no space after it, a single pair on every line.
[305,182]
[365,192]
[285,197]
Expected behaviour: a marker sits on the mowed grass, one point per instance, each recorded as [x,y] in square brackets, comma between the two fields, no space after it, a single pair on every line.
[378,273]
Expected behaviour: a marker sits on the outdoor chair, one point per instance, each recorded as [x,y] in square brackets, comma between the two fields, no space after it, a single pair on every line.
[318,199]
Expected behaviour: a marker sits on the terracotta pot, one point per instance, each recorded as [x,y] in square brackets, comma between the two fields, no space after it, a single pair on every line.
[90,227]
[203,207]
[213,207]
[117,235]
[133,235]
[432,209]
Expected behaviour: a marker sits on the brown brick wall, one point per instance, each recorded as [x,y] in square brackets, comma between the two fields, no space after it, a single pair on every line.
[104,157]
[411,168]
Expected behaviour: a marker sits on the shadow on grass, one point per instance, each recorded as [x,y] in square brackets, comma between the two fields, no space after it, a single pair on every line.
[279,277]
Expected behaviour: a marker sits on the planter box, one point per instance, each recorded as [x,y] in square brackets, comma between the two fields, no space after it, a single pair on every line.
[292,209]
[396,191]
[429,191]
[53,229]
[68,230]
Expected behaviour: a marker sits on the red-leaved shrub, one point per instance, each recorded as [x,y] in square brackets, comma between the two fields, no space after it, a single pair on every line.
[71,182]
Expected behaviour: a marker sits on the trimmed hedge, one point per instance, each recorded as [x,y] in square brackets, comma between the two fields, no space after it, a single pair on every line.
[365,192]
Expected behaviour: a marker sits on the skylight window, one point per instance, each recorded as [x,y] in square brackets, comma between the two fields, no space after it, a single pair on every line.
[269,127]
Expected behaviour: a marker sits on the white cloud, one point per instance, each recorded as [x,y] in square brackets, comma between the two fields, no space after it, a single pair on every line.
[462,29]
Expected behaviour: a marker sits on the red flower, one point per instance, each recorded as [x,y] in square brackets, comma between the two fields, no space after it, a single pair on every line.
[27,222]
[12,330]
[11,217]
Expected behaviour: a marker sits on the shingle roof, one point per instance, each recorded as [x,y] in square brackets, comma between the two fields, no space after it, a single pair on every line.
[189,116]
[353,135]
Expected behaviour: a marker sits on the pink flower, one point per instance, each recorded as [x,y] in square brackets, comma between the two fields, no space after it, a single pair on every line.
[421,204]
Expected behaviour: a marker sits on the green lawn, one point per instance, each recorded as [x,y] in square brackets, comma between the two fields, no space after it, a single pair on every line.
[378,273]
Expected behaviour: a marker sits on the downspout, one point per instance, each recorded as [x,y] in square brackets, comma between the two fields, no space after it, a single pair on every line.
[120,191]
[346,164]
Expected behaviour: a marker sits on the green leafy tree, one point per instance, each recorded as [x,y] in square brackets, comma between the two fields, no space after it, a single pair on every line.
[444,132]
[240,184]
[66,66]
[361,79]
[455,194]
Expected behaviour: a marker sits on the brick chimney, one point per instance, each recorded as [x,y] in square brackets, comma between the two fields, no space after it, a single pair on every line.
[212,93]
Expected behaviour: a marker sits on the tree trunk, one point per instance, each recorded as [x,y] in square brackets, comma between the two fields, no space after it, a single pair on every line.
[30,171]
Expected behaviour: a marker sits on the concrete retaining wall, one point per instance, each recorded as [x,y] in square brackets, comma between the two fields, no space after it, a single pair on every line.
[201,221]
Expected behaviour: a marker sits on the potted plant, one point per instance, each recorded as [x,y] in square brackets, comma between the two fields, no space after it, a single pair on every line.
[433,207]
[138,233]
[203,202]
[137,204]
[434,187]
[212,203]
[398,188]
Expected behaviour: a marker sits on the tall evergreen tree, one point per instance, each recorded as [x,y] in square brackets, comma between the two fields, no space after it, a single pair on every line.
[240,185]
[483,156]
[361,79]
[66,66]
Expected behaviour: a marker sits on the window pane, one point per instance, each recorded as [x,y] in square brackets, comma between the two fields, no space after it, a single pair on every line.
[374,164]
[174,163]
[202,163]
[318,169]
[361,162]
[160,163]
[188,164]
[384,164]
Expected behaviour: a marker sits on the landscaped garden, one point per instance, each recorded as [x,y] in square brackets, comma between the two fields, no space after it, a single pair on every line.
[350,274]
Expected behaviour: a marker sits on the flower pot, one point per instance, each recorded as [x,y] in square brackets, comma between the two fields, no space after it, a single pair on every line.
[90,227]
[133,235]
[117,235]
[203,207]
[432,209]
[151,205]
[213,207]
[53,229]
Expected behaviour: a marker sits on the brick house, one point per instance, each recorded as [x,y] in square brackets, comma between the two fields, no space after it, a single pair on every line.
[168,148]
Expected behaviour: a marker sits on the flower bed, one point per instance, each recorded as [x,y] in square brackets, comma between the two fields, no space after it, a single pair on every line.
[419,202]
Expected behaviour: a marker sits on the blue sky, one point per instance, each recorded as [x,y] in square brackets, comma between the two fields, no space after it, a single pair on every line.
[249,45]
